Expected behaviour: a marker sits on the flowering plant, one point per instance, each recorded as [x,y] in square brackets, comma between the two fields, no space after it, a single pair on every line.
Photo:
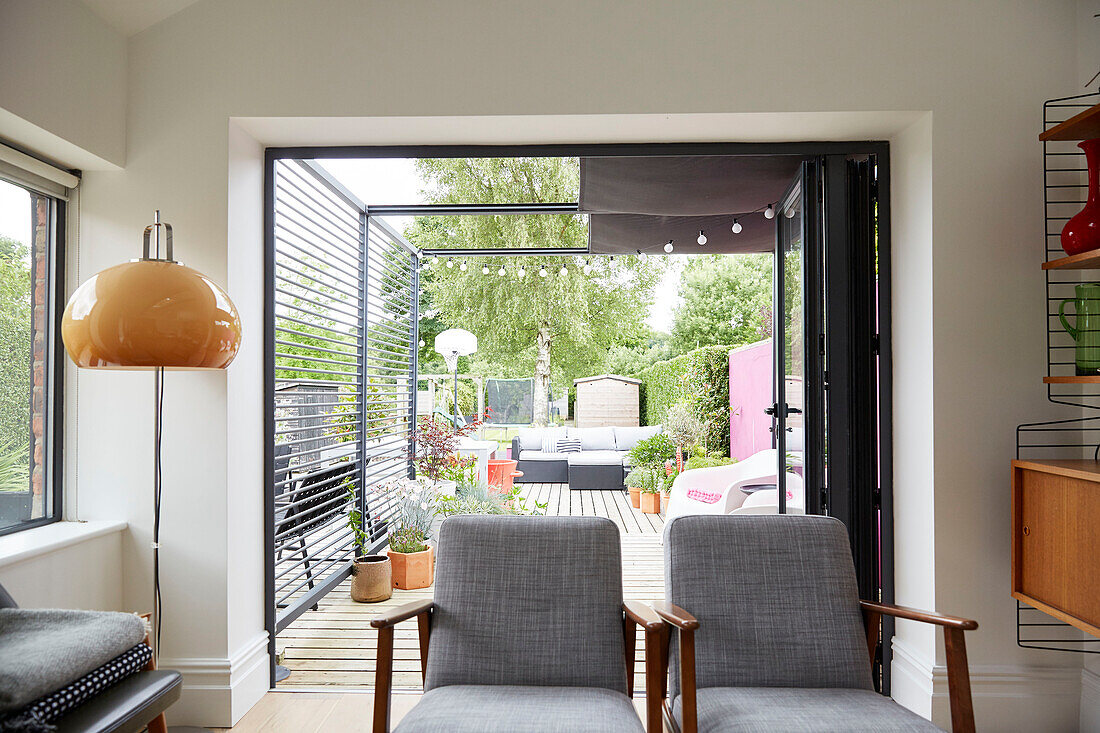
[435,441]
[415,503]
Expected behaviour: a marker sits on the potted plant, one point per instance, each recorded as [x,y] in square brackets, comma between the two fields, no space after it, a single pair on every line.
[666,488]
[633,485]
[416,503]
[650,497]
[435,441]
[371,575]
[684,428]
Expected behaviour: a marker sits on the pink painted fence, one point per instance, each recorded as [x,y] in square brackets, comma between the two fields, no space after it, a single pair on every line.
[750,395]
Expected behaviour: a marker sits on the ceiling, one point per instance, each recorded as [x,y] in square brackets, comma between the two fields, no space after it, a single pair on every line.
[133,16]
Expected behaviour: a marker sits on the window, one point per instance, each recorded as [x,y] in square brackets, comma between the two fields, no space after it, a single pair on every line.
[28,232]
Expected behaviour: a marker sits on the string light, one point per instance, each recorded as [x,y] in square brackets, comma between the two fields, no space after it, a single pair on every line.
[543,272]
[502,272]
[422,343]
[587,268]
[450,263]
[434,260]
[462,266]
[484,269]
[736,228]
[522,271]
[769,213]
[642,256]
[702,239]
[789,212]
[564,270]
[668,247]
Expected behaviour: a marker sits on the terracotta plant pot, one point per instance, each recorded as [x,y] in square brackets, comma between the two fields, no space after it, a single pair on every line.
[635,493]
[651,503]
[371,579]
[413,569]
[664,502]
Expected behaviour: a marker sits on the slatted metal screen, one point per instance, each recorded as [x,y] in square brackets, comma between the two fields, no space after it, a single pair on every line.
[342,341]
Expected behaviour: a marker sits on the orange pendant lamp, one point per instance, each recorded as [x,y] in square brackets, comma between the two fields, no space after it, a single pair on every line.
[151,313]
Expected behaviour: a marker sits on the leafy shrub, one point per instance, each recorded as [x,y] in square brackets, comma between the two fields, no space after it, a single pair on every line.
[701,378]
[708,462]
[683,426]
[407,539]
[14,467]
[653,451]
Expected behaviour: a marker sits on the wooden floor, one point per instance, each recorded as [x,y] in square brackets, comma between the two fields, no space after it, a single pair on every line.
[333,647]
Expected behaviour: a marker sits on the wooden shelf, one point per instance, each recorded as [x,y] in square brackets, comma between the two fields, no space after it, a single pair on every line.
[1091,379]
[1081,468]
[1083,261]
[1083,126]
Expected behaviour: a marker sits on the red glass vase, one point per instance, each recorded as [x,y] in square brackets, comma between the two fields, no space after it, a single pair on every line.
[1082,232]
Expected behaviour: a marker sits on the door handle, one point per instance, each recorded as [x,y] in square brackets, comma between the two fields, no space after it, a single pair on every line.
[787,410]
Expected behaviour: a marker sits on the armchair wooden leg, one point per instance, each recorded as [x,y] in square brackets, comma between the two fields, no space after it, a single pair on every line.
[424,632]
[688,718]
[158,725]
[958,681]
[653,686]
[383,678]
[630,647]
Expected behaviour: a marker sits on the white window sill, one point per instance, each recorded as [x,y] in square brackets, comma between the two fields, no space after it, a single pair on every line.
[51,537]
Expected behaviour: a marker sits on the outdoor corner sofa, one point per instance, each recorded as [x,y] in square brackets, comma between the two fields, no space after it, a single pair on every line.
[591,458]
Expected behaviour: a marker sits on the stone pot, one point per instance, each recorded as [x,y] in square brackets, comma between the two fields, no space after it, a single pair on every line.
[371,579]
[635,493]
[413,569]
[651,503]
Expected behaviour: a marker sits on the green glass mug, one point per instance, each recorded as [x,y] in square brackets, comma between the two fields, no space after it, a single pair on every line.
[1086,330]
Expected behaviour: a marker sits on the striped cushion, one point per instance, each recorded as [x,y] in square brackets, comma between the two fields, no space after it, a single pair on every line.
[568,445]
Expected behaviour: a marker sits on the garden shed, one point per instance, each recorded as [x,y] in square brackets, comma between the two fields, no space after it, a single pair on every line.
[607,399]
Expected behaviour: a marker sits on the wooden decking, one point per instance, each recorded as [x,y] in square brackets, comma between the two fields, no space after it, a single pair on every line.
[334,646]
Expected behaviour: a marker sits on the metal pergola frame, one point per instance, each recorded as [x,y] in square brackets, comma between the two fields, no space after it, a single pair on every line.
[834,229]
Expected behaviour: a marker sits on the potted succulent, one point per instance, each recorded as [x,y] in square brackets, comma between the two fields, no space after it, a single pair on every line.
[416,503]
[650,497]
[371,575]
[633,485]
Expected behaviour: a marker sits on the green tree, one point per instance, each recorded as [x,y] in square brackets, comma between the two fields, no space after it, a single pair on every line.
[727,299]
[555,326]
[15,342]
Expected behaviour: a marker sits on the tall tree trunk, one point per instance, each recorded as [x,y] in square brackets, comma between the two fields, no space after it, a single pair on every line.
[542,376]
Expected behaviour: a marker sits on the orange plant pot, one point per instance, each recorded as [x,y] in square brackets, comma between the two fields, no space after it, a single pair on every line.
[664,502]
[651,503]
[635,494]
[412,570]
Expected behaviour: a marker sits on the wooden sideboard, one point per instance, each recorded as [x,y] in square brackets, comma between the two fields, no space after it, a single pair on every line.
[1056,539]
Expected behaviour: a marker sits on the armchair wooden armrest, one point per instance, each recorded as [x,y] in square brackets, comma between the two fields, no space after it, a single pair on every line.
[383,669]
[685,625]
[637,614]
[958,672]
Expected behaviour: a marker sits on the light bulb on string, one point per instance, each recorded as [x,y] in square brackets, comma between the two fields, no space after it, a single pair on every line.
[543,272]
[789,212]
[434,260]
[769,213]
[587,268]
[422,343]
[450,263]
[736,228]
[502,272]
[462,266]
[642,256]
[522,272]
[669,247]
[702,238]
[564,270]
[484,269]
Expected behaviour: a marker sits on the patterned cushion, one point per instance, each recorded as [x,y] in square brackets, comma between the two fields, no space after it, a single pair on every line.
[787,612]
[768,709]
[38,714]
[568,445]
[527,601]
[514,709]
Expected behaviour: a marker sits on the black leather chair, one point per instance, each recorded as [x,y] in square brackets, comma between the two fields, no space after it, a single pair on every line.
[128,707]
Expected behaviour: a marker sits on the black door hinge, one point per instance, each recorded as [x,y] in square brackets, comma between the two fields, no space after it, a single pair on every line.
[875,343]
[876,498]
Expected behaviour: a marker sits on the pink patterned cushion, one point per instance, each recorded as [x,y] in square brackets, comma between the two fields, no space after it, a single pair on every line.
[707,497]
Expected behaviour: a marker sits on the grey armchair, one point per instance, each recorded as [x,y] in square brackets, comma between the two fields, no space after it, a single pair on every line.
[528,632]
[783,641]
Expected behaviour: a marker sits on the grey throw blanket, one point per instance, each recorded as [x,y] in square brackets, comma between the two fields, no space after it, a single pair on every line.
[42,650]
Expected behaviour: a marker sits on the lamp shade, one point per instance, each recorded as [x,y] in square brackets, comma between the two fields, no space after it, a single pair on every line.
[151,313]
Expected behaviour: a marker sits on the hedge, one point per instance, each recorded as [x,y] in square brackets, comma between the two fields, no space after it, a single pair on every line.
[699,377]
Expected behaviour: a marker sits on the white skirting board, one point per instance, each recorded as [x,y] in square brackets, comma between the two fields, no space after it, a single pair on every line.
[1007,698]
[218,692]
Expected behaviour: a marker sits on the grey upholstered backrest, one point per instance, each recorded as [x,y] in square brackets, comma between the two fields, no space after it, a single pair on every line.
[527,601]
[776,600]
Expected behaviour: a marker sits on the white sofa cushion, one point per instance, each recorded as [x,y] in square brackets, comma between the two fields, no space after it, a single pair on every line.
[550,438]
[594,438]
[530,438]
[596,458]
[627,438]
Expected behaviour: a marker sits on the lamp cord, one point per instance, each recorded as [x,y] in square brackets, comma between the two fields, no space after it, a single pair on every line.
[157,430]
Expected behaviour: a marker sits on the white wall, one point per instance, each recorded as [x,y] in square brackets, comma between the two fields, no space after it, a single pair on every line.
[65,565]
[956,87]
[62,82]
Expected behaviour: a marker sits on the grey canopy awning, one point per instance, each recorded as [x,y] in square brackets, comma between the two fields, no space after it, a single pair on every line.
[640,203]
